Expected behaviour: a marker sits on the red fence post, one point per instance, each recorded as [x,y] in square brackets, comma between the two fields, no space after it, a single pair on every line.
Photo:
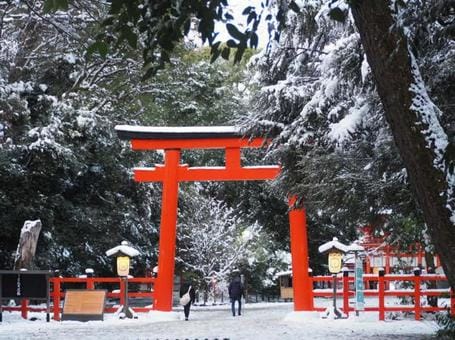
[346,291]
[381,295]
[24,307]
[417,293]
[90,283]
[56,297]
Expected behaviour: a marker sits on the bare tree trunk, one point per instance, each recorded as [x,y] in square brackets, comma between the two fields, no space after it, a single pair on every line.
[27,245]
[414,122]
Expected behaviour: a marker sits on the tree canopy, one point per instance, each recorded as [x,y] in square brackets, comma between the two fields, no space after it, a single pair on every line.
[416,122]
[358,107]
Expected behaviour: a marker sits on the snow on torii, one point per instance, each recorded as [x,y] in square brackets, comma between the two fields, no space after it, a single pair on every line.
[201,137]
[229,138]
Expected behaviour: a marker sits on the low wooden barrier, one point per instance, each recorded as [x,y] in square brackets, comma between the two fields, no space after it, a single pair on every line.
[57,293]
[417,291]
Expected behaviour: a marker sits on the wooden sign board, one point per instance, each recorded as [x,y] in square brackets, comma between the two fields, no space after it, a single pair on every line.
[84,305]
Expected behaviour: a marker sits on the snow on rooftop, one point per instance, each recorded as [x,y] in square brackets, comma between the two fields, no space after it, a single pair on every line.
[283,273]
[355,247]
[333,244]
[123,248]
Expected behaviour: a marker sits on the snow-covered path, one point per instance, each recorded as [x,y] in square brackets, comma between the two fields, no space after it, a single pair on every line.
[258,322]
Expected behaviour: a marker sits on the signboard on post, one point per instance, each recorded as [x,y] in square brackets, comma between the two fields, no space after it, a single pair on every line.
[123,253]
[335,250]
[359,295]
[335,262]
[28,284]
[24,284]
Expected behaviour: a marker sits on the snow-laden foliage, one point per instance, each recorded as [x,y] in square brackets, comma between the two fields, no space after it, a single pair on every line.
[316,99]
[60,158]
[214,242]
[435,136]
[313,84]
[432,62]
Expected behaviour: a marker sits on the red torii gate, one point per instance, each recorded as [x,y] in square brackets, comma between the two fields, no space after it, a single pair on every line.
[173,140]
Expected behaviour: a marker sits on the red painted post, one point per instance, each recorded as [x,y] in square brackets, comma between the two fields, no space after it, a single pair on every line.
[166,256]
[302,281]
[90,283]
[24,308]
[417,293]
[367,265]
[346,292]
[381,295]
[233,158]
[56,298]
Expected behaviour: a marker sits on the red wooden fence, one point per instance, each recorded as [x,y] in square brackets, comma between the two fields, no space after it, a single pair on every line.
[382,290]
[57,293]
[346,284]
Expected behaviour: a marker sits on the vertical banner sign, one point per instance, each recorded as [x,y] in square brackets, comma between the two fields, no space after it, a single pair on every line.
[359,296]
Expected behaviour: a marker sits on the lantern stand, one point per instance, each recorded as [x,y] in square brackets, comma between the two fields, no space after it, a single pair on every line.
[335,251]
[124,253]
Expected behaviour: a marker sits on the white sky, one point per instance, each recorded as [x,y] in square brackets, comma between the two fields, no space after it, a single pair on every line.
[237,7]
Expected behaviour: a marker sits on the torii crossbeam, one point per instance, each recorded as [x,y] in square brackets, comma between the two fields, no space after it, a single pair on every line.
[173,140]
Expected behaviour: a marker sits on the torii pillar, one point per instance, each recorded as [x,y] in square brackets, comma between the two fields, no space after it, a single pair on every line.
[173,140]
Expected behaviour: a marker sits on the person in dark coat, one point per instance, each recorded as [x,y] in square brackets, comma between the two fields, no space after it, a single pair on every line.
[184,288]
[236,292]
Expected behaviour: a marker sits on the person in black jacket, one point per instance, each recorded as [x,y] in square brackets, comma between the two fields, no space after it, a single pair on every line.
[187,288]
[236,292]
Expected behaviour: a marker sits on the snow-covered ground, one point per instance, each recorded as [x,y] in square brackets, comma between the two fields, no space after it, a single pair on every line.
[258,321]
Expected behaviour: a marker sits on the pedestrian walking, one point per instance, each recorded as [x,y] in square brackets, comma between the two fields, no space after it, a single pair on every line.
[236,291]
[187,297]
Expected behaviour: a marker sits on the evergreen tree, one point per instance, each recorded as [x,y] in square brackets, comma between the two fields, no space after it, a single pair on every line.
[60,159]
[415,121]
